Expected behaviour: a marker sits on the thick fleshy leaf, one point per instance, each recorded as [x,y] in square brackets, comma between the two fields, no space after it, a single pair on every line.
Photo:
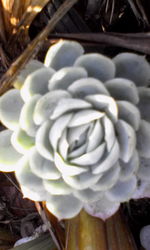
[21,141]
[64,77]
[46,105]
[42,142]
[58,128]
[68,169]
[144,103]
[122,190]
[123,89]
[77,152]
[63,145]
[142,190]
[104,103]
[144,169]
[10,108]
[108,161]
[130,167]
[143,139]
[30,67]
[88,195]
[64,206]
[129,112]
[69,104]
[108,179]
[57,187]
[98,66]
[132,67]
[26,178]
[77,135]
[26,117]
[109,132]
[36,83]
[103,208]
[82,181]
[90,158]
[63,54]
[42,167]
[87,86]
[41,195]
[8,155]
[95,137]
[144,237]
[84,116]
[127,140]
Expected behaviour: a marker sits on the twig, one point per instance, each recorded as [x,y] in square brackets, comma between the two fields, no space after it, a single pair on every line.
[138,42]
[47,223]
[33,47]
[13,183]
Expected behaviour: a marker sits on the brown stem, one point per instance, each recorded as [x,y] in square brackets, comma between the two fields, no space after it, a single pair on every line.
[138,42]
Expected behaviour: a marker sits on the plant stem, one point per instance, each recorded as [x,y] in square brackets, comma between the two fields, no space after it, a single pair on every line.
[86,232]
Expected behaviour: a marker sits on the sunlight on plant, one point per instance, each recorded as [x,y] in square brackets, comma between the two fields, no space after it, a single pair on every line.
[78,130]
[16,12]
[34,9]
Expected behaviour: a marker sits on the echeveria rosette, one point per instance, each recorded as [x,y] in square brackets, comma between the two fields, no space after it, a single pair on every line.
[78,131]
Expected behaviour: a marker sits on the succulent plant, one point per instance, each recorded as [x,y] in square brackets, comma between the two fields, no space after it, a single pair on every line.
[78,131]
[144,237]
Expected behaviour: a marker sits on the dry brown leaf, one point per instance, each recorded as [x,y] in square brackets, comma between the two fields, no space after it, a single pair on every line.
[2,25]
[33,47]
[16,14]
[138,42]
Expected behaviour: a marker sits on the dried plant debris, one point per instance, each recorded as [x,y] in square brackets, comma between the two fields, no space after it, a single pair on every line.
[109,12]
[43,242]
[18,13]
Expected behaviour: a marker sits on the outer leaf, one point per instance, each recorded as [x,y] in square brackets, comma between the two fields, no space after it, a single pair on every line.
[129,113]
[122,190]
[31,66]
[9,157]
[98,66]
[87,86]
[133,67]
[143,139]
[10,108]
[45,106]
[127,140]
[64,206]
[63,54]
[26,117]
[123,89]
[103,208]
[36,83]
[64,77]
[144,103]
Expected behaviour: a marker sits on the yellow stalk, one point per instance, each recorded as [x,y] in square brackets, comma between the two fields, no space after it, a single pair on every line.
[16,12]
[86,232]
[2,24]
